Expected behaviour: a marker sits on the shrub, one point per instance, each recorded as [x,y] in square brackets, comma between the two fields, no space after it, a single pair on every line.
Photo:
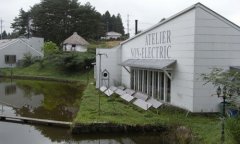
[74,61]
[28,60]
[50,48]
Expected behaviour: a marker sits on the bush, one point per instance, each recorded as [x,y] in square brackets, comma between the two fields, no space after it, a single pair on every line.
[233,126]
[50,48]
[74,61]
[28,60]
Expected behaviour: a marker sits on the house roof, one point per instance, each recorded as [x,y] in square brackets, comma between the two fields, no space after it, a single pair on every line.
[8,42]
[197,5]
[75,39]
[5,42]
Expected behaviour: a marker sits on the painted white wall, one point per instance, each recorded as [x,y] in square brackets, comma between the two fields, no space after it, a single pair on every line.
[110,63]
[35,42]
[200,40]
[78,48]
[182,49]
[19,48]
[217,44]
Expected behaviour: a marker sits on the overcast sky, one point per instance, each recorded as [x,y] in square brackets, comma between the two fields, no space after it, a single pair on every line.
[148,12]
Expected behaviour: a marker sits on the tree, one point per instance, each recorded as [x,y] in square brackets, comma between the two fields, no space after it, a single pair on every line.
[55,20]
[88,23]
[4,35]
[21,23]
[229,79]
[230,82]
[52,19]
[50,48]
[119,25]
[112,23]
[106,19]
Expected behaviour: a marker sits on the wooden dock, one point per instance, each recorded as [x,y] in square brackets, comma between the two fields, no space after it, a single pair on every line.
[17,119]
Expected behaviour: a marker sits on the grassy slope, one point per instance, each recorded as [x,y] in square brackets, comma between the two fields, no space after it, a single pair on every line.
[115,110]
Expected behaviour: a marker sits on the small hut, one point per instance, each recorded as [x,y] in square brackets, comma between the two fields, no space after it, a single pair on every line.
[75,43]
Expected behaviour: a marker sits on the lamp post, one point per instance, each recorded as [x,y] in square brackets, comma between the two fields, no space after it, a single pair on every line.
[99,80]
[222,92]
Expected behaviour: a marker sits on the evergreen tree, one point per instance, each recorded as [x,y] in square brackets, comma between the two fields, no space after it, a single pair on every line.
[106,19]
[20,24]
[55,20]
[4,35]
[119,25]
[112,23]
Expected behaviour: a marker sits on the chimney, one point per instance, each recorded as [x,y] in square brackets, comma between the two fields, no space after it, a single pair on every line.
[136,27]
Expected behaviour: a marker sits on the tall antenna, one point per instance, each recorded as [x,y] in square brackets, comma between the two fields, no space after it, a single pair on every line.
[1,26]
[128,24]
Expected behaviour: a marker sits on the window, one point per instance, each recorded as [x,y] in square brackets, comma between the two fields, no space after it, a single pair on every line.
[10,59]
[155,83]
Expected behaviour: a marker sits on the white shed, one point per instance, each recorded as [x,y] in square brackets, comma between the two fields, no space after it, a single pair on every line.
[13,50]
[166,60]
[75,43]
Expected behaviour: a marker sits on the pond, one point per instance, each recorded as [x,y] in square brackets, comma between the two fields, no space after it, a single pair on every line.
[40,99]
[56,101]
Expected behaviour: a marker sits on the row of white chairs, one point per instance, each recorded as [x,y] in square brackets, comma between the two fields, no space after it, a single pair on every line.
[139,99]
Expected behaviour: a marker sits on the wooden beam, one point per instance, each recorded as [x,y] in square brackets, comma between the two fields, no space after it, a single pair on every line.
[18,119]
[126,69]
[167,74]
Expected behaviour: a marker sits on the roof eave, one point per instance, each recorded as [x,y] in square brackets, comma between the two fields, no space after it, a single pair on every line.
[161,23]
[183,12]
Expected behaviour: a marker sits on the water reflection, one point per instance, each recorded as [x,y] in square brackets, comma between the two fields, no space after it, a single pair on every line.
[41,99]
[10,89]
[26,134]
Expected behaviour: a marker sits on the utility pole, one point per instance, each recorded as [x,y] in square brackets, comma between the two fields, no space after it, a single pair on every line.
[1,26]
[100,78]
[28,28]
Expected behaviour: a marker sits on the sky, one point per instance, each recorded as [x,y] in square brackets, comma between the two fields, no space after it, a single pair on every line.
[147,12]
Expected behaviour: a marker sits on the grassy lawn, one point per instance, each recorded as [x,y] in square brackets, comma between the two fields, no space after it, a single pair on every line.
[103,44]
[113,109]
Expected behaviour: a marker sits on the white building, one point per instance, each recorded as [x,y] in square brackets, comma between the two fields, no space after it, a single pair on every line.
[75,43]
[13,50]
[113,35]
[166,60]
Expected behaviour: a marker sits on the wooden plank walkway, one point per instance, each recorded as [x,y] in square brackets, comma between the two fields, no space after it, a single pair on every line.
[17,119]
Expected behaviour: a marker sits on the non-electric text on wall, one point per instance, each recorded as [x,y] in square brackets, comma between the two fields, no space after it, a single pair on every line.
[156,46]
